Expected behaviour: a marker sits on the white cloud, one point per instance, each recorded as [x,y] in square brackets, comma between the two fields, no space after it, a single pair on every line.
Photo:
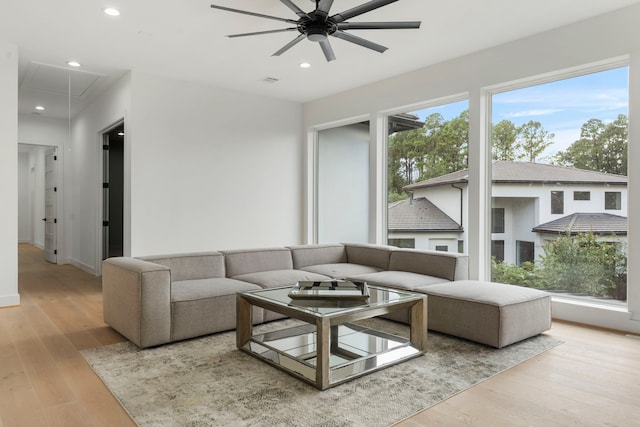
[533,113]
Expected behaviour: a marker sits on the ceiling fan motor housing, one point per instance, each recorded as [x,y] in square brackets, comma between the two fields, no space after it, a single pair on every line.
[317,30]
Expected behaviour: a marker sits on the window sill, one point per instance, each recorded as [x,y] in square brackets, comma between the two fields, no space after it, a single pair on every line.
[594,313]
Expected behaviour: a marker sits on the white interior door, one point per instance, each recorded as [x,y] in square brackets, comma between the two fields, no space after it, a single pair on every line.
[50,193]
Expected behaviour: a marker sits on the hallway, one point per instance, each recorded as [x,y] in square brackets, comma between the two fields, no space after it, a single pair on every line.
[44,379]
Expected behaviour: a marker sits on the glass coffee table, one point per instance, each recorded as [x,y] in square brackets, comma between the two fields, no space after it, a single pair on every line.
[328,349]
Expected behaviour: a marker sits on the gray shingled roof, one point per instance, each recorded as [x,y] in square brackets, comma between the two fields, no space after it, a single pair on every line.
[419,215]
[526,172]
[597,223]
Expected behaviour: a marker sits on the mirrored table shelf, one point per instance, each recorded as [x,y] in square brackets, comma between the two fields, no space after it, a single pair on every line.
[329,349]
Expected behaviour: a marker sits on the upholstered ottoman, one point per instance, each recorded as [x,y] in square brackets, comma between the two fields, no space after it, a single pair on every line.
[489,313]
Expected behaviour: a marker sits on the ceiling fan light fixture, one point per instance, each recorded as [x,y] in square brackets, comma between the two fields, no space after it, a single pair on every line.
[316,34]
[305,65]
[39,108]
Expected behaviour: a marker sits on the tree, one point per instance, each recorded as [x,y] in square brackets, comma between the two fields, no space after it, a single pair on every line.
[581,264]
[447,146]
[601,147]
[405,149]
[438,148]
[587,152]
[504,140]
[533,140]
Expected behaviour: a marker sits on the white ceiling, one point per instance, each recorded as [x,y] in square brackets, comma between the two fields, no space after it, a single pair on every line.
[186,40]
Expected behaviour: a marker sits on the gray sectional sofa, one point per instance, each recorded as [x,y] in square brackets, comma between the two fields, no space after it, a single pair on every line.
[160,299]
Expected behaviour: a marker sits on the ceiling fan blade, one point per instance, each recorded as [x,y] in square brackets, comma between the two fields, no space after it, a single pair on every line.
[359,10]
[289,45]
[259,15]
[323,9]
[257,33]
[359,41]
[379,25]
[327,50]
[291,5]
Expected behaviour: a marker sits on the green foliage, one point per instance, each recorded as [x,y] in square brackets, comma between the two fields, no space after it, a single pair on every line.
[526,274]
[601,147]
[533,139]
[396,197]
[575,264]
[438,148]
[581,264]
[504,136]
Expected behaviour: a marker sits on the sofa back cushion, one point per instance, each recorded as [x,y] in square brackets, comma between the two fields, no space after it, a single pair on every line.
[430,263]
[255,260]
[371,255]
[306,255]
[200,265]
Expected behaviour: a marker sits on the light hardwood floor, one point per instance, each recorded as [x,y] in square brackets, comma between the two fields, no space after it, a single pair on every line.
[593,379]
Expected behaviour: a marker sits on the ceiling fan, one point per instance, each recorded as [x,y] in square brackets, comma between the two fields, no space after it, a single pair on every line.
[317,25]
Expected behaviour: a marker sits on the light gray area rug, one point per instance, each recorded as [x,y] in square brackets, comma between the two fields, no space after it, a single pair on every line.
[208,382]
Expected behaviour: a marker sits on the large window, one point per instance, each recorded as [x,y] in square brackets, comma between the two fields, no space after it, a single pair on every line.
[343,184]
[427,186]
[563,137]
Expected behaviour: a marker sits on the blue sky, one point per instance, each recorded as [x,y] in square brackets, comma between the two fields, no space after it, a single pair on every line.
[562,106]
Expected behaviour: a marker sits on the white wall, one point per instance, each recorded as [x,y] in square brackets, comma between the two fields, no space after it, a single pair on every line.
[83,174]
[39,130]
[595,41]
[9,175]
[212,168]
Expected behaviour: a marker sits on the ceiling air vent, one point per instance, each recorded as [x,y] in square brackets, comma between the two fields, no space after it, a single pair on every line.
[270,80]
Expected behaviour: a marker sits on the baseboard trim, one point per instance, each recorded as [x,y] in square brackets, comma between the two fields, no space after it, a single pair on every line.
[82,266]
[7,301]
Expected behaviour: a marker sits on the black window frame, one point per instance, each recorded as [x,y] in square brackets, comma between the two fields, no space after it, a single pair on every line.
[497,220]
[584,195]
[557,202]
[497,250]
[617,201]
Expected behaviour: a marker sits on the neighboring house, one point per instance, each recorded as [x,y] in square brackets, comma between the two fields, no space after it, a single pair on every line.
[531,203]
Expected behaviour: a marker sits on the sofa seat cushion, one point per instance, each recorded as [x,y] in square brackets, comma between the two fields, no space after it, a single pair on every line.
[495,314]
[341,270]
[203,306]
[398,279]
[191,290]
[277,278]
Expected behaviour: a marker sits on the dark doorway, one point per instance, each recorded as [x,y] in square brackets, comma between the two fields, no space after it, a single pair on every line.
[113,192]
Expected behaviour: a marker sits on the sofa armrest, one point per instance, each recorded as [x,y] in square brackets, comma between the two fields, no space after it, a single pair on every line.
[137,300]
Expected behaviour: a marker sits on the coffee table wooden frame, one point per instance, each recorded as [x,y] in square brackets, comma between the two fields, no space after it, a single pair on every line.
[325,323]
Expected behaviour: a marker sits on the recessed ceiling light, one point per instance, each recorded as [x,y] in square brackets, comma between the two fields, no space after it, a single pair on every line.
[73,63]
[305,65]
[120,133]
[112,12]
[39,107]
